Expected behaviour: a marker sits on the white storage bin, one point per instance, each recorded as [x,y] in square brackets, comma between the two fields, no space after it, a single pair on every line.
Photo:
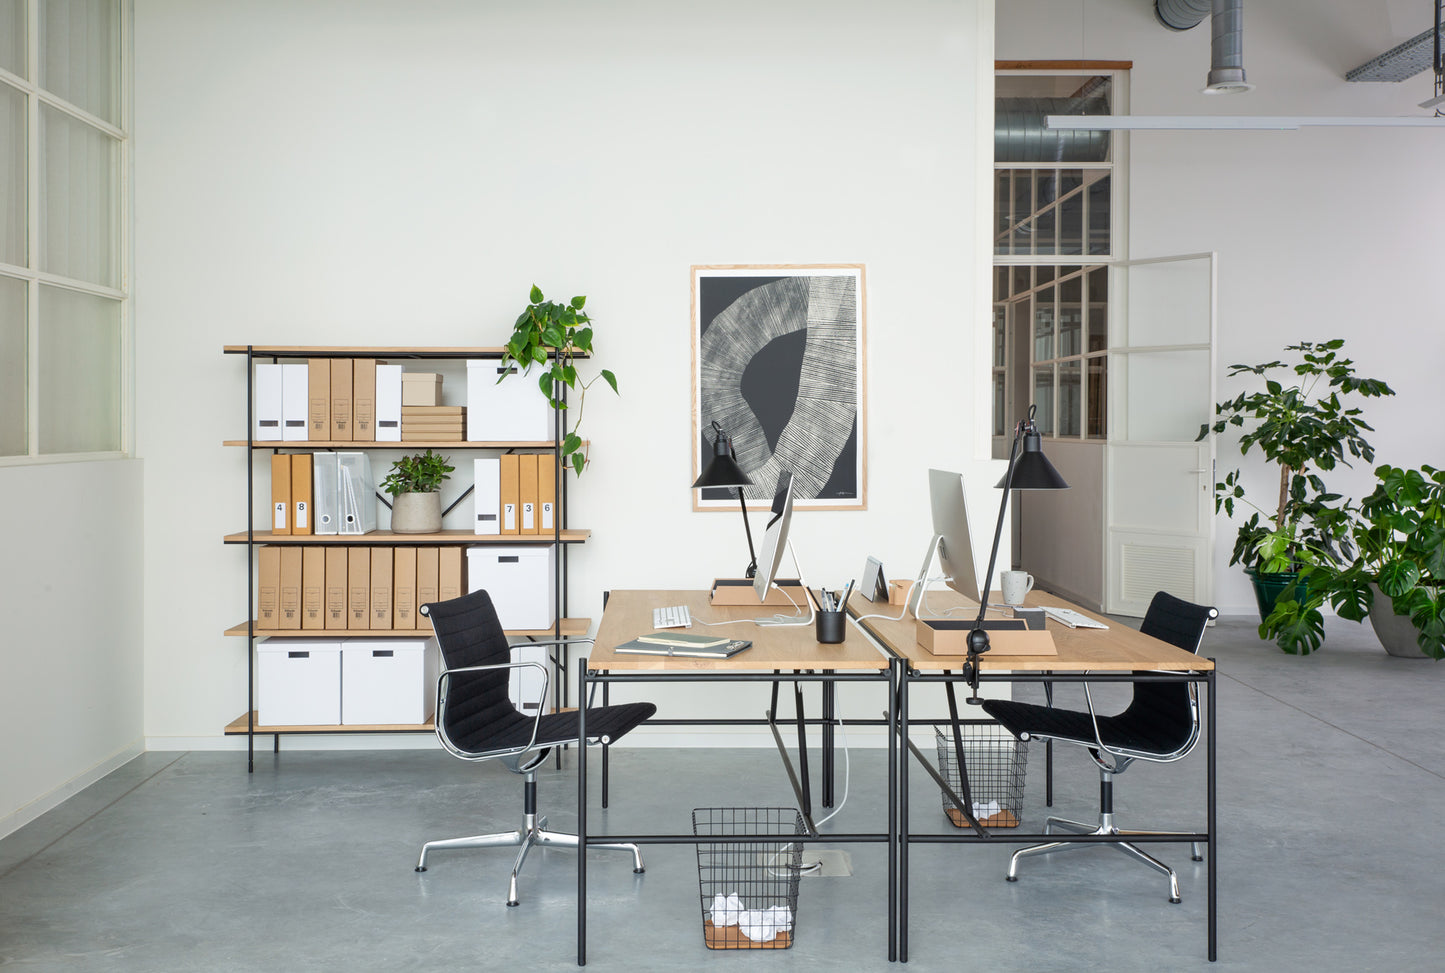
[298,682]
[514,411]
[525,687]
[388,681]
[521,581]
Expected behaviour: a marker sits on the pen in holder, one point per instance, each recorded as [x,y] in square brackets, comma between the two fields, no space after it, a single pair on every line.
[829,626]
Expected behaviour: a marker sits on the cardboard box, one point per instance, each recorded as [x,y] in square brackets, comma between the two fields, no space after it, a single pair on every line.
[403,588]
[313,587]
[449,573]
[268,587]
[949,636]
[298,682]
[337,576]
[358,588]
[280,493]
[301,493]
[363,400]
[388,682]
[381,569]
[318,391]
[341,377]
[421,388]
[739,592]
[521,581]
[898,591]
[427,568]
[290,611]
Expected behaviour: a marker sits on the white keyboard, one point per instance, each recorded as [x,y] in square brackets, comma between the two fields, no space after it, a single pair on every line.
[673,616]
[1071,618]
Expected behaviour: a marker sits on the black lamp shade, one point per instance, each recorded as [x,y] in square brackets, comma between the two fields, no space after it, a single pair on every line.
[723,471]
[1033,471]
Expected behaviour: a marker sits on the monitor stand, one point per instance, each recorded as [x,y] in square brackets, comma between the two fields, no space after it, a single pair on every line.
[802,589]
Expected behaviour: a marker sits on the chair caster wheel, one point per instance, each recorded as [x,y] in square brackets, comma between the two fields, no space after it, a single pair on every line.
[638,871]
[513,903]
[1196,858]
[1175,901]
[420,868]
[1010,878]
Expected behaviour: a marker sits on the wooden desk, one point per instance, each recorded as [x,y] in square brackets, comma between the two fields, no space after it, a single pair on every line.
[1084,655]
[779,654]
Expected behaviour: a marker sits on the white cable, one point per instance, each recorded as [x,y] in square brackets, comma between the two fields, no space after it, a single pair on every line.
[847,780]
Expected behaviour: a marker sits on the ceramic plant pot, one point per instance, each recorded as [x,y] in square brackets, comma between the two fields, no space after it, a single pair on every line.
[1269,587]
[1397,633]
[417,513]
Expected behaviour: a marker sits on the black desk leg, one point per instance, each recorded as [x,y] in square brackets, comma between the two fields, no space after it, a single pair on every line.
[803,750]
[903,816]
[1212,825]
[829,710]
[582,818]
[606,752]
[892,721]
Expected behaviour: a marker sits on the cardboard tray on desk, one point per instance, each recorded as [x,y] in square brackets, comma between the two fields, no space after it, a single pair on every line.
[738,592]
[949,636]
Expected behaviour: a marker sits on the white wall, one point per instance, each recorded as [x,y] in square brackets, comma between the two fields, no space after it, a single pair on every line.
[70,697]
[1321,233]
[371,173]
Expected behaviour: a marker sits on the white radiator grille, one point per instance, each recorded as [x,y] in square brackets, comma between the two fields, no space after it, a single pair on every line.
[1145,570]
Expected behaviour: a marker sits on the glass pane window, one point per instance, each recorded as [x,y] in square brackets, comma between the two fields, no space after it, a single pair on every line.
[80,352]
[1099,242]
[79,228]
[14,424]
[1044,325]
[1044,398]
[80,54]
[1098,298]
[12,36]
[13,166]
[1097,369]
[1070,316]
[1070,399]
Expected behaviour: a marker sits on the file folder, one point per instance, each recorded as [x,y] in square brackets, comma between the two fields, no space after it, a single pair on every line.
[382,566]
[267,404]
[510,489]
[268,587]
[546,492]
[295,404]
[449,573]
[487,492]
[363,400]
[313,587]
[301,493]
[318,390]
[290,614]
[358,588]
[356,494]
[527,492]
[336,581]
[325,515]
[388,403]
[341,400]
[280,493]
[427,567]
[403,588]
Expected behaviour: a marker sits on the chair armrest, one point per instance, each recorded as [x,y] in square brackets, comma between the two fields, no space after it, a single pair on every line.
[441,704]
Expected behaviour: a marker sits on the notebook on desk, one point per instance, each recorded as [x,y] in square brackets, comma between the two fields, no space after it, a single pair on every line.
[724,650]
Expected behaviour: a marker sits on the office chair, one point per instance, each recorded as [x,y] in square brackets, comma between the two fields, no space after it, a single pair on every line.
[1161,724]
[475,720]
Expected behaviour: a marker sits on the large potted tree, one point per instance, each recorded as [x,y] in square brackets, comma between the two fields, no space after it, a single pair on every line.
[1304,423]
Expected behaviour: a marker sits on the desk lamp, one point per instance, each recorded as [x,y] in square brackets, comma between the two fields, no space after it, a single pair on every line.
[1031,471]
[724,471]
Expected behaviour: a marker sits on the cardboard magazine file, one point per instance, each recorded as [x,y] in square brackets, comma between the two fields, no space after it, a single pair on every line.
[290,592]
[949,636]
[738,592]
[336,580]
[341,379]
[363,400]
[268,587]
[382,566]
[281,493]
[403,588]
[358,588]
[313,587]
[318,392]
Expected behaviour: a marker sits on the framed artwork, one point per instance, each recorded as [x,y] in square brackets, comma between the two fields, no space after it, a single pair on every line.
[778,362]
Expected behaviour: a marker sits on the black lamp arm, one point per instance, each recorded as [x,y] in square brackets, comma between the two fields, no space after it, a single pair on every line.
[752,555]
[978,638]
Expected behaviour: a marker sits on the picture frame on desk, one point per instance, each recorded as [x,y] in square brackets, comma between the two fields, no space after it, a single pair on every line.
[778,354]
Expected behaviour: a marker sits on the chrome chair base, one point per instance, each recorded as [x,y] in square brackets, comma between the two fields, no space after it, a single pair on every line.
[1104,827]
[534,832]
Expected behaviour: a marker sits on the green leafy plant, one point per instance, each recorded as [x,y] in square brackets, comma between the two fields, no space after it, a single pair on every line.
[421,473]
[1399,533]
[555,335]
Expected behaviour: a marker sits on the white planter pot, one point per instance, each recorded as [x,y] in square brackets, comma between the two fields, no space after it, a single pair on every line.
[417,513]
[1397,633]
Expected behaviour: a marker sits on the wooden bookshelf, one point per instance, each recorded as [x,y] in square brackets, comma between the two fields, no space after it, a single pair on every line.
[572,628]
[386,538]
[237,727]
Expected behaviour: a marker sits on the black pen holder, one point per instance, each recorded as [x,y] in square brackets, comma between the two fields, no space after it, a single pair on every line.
[830,626]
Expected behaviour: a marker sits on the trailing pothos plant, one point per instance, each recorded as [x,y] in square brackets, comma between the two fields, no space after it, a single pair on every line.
[1305,423]
[1399,534]
[555,335]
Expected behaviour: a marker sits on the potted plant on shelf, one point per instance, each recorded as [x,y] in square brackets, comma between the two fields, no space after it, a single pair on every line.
[414,482]
[1306,423]
[1397,576]
[554,335]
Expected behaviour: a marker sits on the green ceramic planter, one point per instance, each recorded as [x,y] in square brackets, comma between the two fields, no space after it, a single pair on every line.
[1268,588]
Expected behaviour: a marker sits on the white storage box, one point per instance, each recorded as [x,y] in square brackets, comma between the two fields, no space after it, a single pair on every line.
[525,688]
[298,682]
[514,411]
[386,682]
[521,581]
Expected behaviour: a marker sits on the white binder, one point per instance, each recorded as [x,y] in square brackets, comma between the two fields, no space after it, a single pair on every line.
[267,404]
[356,494]
[295,403]
[388,403]
[324,477]
[487,491]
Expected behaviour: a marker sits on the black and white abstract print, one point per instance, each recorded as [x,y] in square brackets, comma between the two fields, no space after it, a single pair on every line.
[779,366]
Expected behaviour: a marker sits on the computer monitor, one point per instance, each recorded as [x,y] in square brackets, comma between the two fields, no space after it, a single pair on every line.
[775,536]
[951,539]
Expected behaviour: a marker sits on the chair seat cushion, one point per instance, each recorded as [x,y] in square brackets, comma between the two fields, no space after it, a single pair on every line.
[515,730]
[1072,726]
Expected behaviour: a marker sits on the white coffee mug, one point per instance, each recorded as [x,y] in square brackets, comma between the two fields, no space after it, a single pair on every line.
[1015,585]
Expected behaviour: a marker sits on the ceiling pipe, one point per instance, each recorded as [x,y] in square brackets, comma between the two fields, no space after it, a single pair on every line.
[1226,68]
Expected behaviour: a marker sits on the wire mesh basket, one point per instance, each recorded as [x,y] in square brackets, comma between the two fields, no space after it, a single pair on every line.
[996,765]
[749,889]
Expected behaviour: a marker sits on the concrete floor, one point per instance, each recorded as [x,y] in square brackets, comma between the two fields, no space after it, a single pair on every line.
[1330,779]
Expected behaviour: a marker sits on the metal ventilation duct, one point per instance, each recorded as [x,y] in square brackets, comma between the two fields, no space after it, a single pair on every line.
[1398,63]
[1226,67]
[1019,134]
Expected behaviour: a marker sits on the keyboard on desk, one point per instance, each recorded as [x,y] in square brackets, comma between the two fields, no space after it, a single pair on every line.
[1071,618]
[672,616]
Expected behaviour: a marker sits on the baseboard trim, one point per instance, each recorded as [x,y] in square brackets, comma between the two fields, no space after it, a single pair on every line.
[23,815]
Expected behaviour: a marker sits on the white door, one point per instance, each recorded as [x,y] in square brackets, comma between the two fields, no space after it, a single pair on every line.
[1158,482]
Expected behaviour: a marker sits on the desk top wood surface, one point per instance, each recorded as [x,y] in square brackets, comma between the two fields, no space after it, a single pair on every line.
[1118,648]
[629,614]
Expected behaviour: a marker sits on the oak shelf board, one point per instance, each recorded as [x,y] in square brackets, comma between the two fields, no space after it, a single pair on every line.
[408,444]
[363,351]
[238,726]
[386,538]
[571,628]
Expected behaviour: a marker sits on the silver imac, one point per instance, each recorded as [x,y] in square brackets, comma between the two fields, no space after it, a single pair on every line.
[775,536]
[951,540]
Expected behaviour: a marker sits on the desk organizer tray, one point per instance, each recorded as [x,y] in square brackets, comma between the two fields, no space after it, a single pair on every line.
[996,766]
[1006,636]
[739,593]
[749,889]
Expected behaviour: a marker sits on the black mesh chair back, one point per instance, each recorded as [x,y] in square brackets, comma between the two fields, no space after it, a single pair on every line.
[478,707]
[1162,718]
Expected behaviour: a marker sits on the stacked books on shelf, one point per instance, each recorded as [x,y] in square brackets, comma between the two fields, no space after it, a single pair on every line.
[445,423]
